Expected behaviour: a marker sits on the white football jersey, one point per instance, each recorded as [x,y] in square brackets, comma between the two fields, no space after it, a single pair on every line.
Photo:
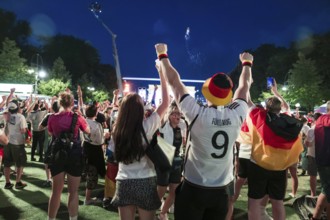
[209,153]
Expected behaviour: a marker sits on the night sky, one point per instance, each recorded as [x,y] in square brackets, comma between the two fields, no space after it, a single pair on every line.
[218,30]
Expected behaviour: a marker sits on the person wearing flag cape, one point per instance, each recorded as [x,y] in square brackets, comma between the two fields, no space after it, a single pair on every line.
[276,145]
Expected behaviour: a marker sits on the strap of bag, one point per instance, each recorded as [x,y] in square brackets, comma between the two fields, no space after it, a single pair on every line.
[73,123]
[145,136]
[188,147]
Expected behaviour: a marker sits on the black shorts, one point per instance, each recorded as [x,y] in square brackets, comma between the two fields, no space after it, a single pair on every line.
[243,167]
[196,202]
[14,154]
[312,167]
[172,176]
[73,164]
[262,182]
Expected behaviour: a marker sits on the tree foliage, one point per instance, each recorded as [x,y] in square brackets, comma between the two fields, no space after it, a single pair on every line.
[12,67]
[79,56]
[10,27]
[304,83]
[100,95]
[59,71]
[52,87]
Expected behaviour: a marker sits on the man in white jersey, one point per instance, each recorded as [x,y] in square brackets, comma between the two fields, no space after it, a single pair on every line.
[213,131]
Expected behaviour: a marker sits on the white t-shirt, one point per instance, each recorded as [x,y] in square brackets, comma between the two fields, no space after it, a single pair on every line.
[305,129]
[310,137]
[15,124]
[209,153]
[96,135]
[145,167]
[35,118]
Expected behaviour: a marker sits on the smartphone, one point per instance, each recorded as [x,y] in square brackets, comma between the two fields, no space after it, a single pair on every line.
[270,82]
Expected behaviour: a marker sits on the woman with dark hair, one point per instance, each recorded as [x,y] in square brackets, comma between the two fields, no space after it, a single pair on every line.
[136,183]
[72,164]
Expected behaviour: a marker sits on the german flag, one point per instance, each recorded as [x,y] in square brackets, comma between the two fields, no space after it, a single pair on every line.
[273,150]
[110,180]
[244,135]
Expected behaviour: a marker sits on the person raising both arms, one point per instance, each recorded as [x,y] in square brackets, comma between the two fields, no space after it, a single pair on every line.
[208,170]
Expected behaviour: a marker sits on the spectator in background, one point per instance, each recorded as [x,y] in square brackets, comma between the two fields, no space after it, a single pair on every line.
[72,165]
[310,143]
[93,152]
[172,134]
[3,137]
[322,157]
[136,183]
[38,135]
[303,156]
[55,107]
[15,152]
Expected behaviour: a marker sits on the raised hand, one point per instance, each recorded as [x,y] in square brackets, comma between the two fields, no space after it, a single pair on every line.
[246,57]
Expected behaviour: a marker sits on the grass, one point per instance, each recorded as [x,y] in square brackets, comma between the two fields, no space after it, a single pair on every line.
[32,202]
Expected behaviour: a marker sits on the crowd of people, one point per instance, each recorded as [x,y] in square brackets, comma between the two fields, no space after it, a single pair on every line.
[219,147]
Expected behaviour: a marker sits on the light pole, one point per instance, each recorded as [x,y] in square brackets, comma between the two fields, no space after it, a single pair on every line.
[36,69]
[95,8]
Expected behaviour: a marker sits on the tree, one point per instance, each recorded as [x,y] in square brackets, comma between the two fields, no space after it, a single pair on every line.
[320,53]
[100,95]
[10,27]
[52,87]
[304,83]
[12,67]
[59,71]
[79,56]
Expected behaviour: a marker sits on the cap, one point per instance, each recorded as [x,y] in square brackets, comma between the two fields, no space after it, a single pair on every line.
[13,105]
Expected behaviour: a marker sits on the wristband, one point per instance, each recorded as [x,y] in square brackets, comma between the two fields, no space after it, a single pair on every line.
[161,56]
[247,63]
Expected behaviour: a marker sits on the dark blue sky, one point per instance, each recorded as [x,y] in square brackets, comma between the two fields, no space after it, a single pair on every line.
[219,30]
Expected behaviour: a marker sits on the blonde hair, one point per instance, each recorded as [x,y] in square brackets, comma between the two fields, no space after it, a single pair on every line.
[66,100]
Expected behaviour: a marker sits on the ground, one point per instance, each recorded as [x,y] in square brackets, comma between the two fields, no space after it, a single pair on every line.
[32,202]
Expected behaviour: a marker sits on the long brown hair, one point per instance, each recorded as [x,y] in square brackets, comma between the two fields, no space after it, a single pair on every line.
[127,134]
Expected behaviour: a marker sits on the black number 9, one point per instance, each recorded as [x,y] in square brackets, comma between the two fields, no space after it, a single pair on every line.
[215,145]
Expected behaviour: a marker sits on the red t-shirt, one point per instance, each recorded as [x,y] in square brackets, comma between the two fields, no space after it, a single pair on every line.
[61,122]
[322,140]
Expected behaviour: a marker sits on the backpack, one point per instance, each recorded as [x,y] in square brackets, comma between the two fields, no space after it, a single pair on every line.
[60,146]
[305,205]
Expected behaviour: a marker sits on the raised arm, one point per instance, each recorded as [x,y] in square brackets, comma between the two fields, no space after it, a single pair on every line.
[285,106]
[10,96]
[115,98]
[31,107]
[245,79]
[161,109]
[3,102]
[170,73]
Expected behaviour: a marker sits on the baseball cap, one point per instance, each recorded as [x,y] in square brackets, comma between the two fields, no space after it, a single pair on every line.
[12,105]
[218,89]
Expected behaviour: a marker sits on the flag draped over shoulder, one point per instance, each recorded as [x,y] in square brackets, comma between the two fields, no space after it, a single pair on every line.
[110,180]
[276,143]
[244,135]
